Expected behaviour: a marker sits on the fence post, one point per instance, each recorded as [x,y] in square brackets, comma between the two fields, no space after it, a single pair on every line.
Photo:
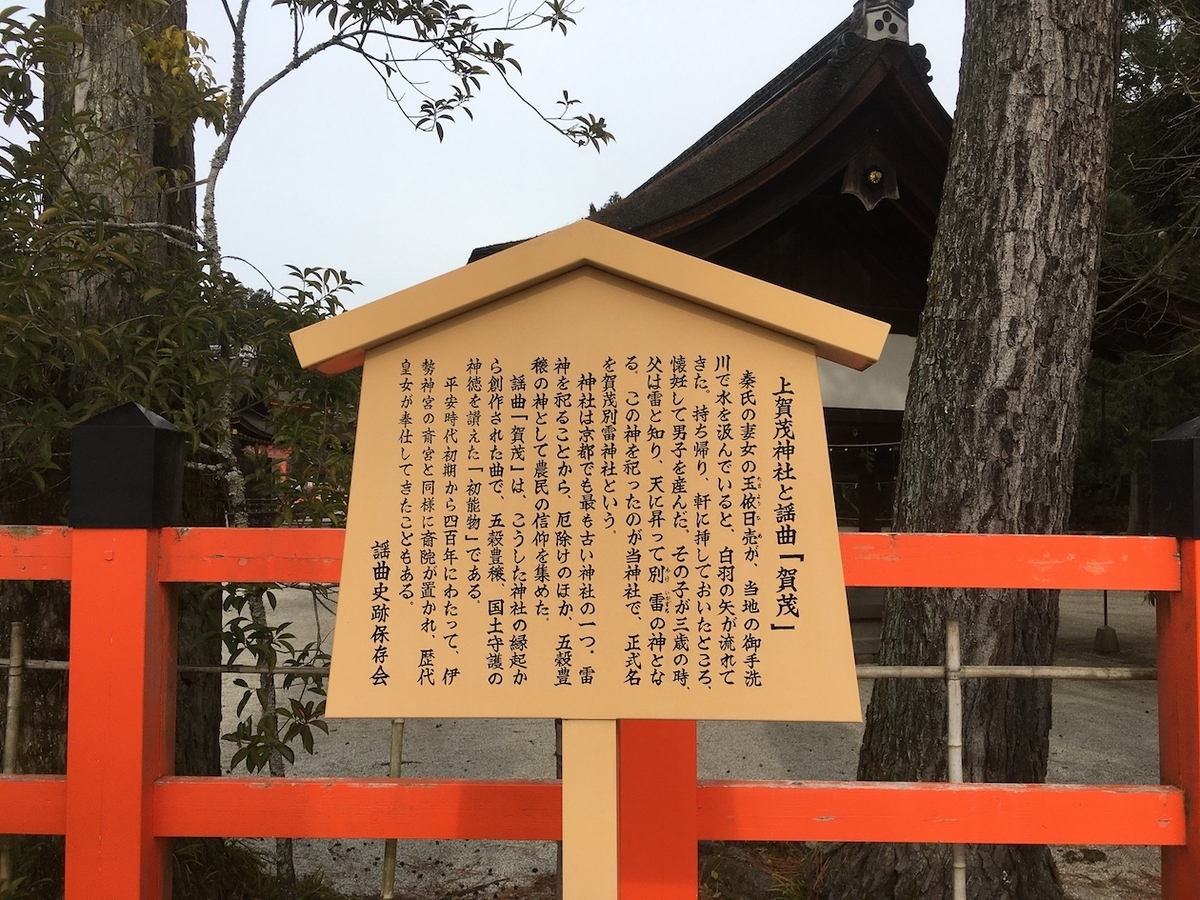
[1179,720]
[12,727]
[1175,511]
[126,476]
[954,745]
[657,822]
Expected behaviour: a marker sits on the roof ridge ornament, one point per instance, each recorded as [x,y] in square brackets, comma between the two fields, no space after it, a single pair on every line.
[885,20]
[849,43]
[920,58]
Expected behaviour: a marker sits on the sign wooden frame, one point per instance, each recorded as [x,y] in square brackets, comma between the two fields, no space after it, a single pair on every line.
[591,482]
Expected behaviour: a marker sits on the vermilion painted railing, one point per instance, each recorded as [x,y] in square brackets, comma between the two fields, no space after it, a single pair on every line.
[119,805]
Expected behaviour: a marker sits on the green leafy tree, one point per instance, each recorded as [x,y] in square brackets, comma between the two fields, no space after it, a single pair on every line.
[1130,401]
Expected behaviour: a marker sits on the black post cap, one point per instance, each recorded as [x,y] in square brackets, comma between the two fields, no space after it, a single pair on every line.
[126,470]
[1175,481]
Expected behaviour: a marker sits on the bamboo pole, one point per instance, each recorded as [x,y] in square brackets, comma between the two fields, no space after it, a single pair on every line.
[954,745]
[1063,673]
[558,773]
[11,727]
[388,888]
[55,665]
[864,672]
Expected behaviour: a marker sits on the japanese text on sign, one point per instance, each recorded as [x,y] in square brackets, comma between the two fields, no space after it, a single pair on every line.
[519,477]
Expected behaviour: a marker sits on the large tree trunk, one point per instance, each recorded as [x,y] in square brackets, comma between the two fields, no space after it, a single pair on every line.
[141,166]
[992,419]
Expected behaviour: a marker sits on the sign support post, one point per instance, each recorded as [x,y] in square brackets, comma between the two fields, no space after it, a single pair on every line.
[589,809]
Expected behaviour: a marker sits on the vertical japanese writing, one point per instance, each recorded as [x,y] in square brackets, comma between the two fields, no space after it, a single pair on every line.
[496,460]
[751,642]
[751,499]
[751,482]
[701,501]
[380,608]
[681,588]
[518,425]
[495,547]
[473,534]
[679,448]
[586,622]
[541,485]
[518,644]
[495,641]
[724,480]
[564,531]
[528,488]
[518,641]
[784,477]
[428,543]
[631,506]
[497,563]
[638,515]
[681,630]
[451,522]
[724,436]
[608,448]
[727,643]
[379,633]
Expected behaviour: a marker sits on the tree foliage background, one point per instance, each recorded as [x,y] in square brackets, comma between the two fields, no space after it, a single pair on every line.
[111,291]
[1152,258]
[185,338]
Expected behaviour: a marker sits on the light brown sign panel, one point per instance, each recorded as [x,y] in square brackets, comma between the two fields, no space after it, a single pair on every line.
[592,499]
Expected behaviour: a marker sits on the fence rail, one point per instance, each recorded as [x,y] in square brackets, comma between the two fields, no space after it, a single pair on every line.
[1070,562]
[118,803]
[863,672]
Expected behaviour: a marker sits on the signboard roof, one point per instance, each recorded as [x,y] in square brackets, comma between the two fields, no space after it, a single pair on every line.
[339,344]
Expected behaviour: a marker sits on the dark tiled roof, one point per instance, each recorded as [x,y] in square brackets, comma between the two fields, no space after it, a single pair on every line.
[815,57]
[773,121]
[488,249]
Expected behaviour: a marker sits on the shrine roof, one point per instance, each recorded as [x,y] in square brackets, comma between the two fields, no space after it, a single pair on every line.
[791,113]
[769,180]
[775,165]
[340,343]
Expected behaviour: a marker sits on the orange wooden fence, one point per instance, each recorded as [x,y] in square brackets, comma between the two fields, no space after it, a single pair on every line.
[119,804]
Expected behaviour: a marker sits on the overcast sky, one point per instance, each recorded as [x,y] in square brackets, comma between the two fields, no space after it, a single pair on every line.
[325,172]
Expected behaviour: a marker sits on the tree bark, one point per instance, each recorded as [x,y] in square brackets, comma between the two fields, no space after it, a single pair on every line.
[992,417]
[142,168]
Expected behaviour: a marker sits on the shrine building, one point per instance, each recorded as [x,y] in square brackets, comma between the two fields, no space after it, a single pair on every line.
[827,181]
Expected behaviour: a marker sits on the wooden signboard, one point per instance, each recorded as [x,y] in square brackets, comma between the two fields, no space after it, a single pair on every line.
[591,482]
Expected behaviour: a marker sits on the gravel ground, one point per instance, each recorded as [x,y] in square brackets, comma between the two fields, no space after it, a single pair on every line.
[1102,733]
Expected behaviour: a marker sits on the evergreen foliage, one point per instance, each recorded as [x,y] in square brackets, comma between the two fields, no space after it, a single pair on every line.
[1153,255]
